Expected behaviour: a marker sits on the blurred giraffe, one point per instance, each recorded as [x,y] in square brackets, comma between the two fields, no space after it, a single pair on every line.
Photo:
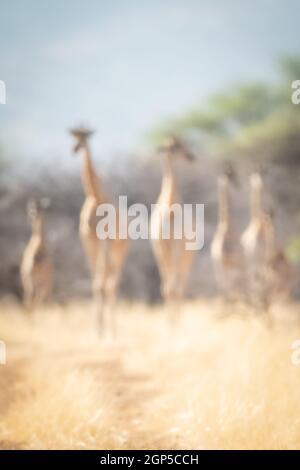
[173,258]
[226,252]
[105,257]
[36,268]
[269,273]
[278,271]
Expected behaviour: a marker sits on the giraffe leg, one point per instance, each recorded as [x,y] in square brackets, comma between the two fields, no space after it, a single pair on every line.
[163,255]
[105,300]
[99,301]
[174,310]
[267,309]
[41,295]
[180,271]
[171,293]
[28,302]
[112,286]
[172,296]
[111,312]
[28,296]
[117,262]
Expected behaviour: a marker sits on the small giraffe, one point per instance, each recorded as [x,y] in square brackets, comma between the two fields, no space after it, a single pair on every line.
[173,259]
[278,271]
[36,268]
[106,257]
[226,252]
[269,274]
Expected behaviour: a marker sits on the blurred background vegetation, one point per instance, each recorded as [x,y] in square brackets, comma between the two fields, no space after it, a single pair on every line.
[217,72]
[251,125]
[246,120]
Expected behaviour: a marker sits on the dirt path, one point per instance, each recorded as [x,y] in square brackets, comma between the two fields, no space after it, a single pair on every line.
[214,383]
[127,389]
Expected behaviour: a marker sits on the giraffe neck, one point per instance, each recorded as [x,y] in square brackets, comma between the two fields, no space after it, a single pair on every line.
[38,228]
[272,245]
[269,231]
[256,204]
[224,202]
[90,179]
[168,193]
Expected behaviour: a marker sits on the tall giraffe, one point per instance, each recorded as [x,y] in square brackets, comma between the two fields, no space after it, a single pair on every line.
[36,268]
[105,257]
[225,248]
[173,258]
[269,274]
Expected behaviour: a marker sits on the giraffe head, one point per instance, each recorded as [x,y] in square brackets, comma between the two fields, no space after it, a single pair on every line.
[223,182]
[81,135]
[256,182]
[229,173]
[175,147]
[35,208]
[34,212]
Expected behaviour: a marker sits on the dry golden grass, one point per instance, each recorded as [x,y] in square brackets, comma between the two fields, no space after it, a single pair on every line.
[217,382]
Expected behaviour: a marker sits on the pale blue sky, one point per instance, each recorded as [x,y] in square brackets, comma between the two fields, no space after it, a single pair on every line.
[122,65]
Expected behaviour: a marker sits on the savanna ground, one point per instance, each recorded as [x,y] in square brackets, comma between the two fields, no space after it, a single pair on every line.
[223,380]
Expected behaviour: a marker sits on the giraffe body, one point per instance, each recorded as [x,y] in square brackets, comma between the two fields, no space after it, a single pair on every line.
[105,257]
[173,258]
[269,273]
[87,231]
[225,249]
[36,267]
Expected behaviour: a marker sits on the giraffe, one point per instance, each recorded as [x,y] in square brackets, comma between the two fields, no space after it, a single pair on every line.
[105,257]
[269,274]
[278,271]
[225,250]
[173,259]
[36,268]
